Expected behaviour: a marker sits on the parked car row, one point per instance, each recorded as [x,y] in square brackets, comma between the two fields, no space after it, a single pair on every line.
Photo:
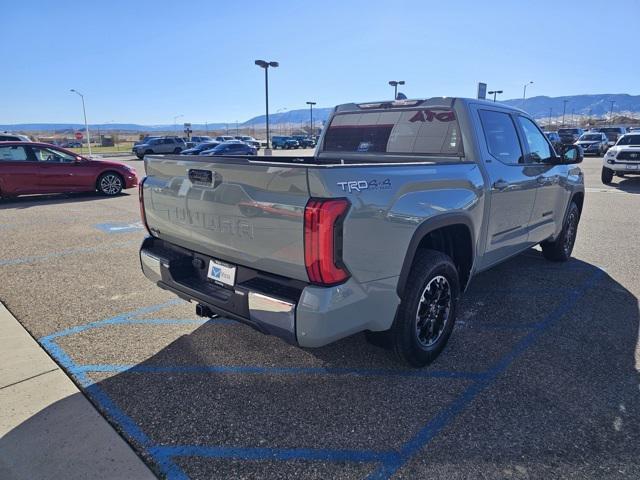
[228,147]
[295,141]
[595,141]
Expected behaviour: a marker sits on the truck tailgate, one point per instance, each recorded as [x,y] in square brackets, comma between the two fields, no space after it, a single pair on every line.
[231,209]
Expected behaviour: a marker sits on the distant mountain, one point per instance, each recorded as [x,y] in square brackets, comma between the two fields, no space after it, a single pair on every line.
[589,105]
[538,107]
[105,127]
[301,116]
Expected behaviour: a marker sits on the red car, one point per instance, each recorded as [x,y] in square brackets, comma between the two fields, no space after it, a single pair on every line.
[29,167]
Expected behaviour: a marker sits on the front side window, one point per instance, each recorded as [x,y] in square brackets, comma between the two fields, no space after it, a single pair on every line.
[44,154]
[13,154]
[430,131]
[501,136]
[539,148]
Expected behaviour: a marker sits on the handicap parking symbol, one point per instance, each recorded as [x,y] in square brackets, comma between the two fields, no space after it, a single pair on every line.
[119,227]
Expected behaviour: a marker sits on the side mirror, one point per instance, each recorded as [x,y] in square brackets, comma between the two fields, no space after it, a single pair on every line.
[571,154]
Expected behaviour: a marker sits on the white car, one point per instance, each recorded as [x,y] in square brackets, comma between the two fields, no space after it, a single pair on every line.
[623,158]
[13,137]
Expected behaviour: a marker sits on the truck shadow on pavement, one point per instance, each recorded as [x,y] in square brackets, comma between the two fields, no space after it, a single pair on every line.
[627,184]
[540,379]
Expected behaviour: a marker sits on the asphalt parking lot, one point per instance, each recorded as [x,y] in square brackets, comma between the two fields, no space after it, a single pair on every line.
[541,378]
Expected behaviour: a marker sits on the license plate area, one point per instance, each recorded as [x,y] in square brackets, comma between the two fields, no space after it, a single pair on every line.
[221,273]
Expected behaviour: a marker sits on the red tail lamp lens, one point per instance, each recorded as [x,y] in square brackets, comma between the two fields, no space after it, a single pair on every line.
[323,240]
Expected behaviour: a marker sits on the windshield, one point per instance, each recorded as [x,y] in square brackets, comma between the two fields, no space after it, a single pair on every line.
[629,140]
[591,137]
[568,131]
[432,131]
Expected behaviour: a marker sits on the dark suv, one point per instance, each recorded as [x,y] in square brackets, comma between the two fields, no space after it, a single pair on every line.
[569,136]
[304,141]
[159,145]
[284,142]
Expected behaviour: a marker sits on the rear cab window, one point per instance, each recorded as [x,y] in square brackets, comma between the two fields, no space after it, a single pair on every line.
[428,131]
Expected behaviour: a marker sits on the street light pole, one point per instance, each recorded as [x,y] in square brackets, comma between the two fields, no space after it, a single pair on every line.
[564,108]
[86,125]
[264,64]
[311,104]
[611,112]
[524,92]
[494,93]
[394,84]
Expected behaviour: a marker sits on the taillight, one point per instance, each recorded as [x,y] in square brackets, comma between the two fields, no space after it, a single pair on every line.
[143,216]
[323,240]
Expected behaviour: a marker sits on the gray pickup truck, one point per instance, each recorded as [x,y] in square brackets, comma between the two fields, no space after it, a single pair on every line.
[380,231]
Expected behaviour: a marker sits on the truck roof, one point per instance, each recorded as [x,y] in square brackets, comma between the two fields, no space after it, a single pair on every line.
[445,102]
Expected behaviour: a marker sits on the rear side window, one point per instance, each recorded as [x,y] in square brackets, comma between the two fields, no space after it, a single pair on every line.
[430,131]
[501,136]
[13,154]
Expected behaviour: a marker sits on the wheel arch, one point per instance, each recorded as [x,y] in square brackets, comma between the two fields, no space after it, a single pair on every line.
[578,198]
[449,233]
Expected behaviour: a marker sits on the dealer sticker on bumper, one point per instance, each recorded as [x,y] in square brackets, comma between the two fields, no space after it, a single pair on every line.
[223,273]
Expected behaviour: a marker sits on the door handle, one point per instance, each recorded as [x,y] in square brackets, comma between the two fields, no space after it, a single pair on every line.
[500,185]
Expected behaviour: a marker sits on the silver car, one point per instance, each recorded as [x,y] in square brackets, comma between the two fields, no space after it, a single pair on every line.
[159,145]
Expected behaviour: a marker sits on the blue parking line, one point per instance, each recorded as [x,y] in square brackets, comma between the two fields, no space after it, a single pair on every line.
[120,227]
[444,418]
[118,319]
[389,462]
[94,391]
[283,454]
[64,253]
[233,369]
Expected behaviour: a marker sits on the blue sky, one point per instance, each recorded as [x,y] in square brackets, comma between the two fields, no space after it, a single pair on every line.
[146,61]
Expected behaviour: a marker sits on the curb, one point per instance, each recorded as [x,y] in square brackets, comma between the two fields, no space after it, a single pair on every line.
[48,428]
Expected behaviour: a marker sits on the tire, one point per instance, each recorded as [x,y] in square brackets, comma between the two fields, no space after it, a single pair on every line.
[177,150]
[433,288]
[560,249]
[110,184]
[606,176]
[140,157]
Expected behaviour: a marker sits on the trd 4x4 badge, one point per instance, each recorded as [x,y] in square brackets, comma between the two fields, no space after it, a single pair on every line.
[360,185]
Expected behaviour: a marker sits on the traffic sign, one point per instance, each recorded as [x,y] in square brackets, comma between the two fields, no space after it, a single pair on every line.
[78,135]
[482,91]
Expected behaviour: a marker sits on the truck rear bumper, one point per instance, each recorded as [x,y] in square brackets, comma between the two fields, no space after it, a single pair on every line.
[301,314]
